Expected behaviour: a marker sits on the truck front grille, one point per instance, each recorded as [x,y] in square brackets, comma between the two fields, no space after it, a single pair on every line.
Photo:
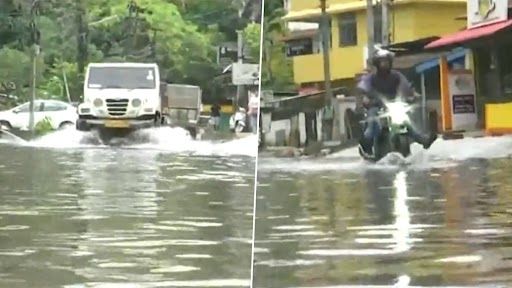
[117,107]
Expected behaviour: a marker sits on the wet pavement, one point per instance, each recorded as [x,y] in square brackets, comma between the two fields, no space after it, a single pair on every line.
[124,217]
[440,219]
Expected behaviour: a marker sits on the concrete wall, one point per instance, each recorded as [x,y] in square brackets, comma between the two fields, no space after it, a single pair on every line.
[275,130]
[274,133]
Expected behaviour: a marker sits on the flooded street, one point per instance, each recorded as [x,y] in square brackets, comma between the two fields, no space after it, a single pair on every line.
[177,213]
[440,219]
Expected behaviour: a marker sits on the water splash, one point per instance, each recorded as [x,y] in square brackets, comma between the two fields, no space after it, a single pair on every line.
[442,154]
[172,140]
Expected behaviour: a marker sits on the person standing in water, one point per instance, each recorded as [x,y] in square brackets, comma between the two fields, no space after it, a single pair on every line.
[215,114]
[254,104]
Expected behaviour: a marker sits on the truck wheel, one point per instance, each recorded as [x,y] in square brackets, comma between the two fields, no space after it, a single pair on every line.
[158,120]
[193,133]
[81,125]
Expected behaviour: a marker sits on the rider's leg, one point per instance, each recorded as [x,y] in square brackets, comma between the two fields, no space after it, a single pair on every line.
[425,140]
[371,132]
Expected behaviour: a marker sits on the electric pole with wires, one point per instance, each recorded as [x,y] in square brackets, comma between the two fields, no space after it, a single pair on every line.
[385,4]
[329,100]
[82,37]
[370,24]
[35,41]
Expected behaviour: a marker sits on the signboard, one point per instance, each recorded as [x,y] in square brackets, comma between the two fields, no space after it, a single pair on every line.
[484,12]
[227,53]
[245,74]
[463,100]
[299,47]
[463,104]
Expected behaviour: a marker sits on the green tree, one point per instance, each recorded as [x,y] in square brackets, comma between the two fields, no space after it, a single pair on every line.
[277,72]
[181,36]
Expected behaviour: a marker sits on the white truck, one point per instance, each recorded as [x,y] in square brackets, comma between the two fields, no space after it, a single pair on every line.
[119,98]
[181,106]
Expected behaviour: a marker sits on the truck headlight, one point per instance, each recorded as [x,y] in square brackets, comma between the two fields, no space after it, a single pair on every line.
[136,102]
[98,102]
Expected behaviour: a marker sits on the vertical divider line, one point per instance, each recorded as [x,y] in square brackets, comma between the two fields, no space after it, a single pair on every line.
[262,21]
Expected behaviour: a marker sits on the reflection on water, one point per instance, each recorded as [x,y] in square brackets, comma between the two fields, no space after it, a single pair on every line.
[386,227]
[116,218]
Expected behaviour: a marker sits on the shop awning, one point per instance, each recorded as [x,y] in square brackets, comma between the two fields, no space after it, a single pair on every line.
[455,55]
[469,34]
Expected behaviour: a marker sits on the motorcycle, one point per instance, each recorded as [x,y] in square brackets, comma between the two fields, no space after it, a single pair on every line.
[394,125]
[238,120]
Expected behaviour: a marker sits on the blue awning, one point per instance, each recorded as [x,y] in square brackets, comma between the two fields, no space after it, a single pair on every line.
[455,55]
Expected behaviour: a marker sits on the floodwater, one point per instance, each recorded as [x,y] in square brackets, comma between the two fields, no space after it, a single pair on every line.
[442,218]
[170,213]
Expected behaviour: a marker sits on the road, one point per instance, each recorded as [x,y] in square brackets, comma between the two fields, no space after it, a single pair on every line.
[170,213]
[439,219]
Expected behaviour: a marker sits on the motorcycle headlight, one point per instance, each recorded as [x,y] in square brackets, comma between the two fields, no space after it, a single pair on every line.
[398,112]
[136,102]
[98,102]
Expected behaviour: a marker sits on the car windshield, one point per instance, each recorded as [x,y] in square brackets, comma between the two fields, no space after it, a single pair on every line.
[121,77]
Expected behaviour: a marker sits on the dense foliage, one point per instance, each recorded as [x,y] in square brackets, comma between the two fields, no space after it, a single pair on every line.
[277,72]
[180,35]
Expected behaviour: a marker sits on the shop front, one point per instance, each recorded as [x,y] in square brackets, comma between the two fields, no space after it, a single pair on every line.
[480,97]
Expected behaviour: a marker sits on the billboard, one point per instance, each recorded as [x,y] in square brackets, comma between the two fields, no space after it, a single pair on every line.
[484,12]
[245,74]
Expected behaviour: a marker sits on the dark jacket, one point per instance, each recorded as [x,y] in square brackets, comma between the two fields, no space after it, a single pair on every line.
[380,87]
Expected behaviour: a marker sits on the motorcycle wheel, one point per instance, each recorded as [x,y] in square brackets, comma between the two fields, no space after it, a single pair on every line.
[381,146]
[403,145]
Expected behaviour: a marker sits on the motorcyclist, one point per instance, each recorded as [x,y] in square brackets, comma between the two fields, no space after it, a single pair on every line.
[385,84]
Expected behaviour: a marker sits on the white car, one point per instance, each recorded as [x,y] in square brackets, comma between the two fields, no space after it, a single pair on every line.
[60,114]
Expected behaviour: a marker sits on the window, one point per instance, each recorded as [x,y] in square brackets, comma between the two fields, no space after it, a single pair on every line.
[347,29]
[122,77]
[299,47]
[51,106]
[25,108]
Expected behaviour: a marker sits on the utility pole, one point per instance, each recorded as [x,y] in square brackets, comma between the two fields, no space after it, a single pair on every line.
[35,37]
[385,4]
[326,45]
[83,31]
[370,23]
[240,53]
[324,28]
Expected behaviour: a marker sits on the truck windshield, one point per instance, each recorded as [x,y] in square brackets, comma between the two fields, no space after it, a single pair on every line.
[121,77]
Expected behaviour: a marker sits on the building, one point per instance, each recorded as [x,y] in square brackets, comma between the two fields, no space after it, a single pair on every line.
[489,37]
[409,20]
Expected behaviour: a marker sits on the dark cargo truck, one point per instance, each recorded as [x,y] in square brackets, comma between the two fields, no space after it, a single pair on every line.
[181,106]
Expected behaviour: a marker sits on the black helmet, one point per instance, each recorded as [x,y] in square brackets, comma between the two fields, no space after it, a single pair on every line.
[380,54]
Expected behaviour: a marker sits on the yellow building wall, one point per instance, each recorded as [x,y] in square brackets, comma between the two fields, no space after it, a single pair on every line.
[411,21]
[298,5]
[438,20]
[228,109]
